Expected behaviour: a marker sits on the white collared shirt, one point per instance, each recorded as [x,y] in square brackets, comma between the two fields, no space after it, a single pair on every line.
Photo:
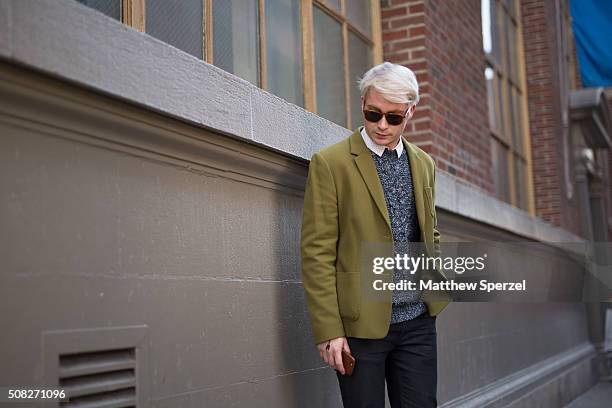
[380,149]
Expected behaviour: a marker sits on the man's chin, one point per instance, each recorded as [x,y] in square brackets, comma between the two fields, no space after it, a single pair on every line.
[381,140]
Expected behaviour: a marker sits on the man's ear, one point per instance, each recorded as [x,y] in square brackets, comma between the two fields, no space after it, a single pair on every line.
[411,110]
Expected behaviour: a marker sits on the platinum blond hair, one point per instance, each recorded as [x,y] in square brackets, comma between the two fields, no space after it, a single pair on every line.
[397,83]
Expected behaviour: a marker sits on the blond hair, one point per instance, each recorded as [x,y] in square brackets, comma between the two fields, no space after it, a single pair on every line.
[397,83]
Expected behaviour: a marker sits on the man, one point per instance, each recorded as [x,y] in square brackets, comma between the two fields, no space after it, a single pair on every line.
[373,186]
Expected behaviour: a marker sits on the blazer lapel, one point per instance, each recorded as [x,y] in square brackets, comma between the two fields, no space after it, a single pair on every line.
[367,168]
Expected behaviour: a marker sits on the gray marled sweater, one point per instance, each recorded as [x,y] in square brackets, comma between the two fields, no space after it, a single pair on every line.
[396,179]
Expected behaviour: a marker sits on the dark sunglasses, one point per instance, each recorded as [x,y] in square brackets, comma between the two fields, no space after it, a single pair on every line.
[393,119]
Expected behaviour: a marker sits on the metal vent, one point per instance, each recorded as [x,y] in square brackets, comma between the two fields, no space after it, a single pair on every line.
[98,367]
[101,379]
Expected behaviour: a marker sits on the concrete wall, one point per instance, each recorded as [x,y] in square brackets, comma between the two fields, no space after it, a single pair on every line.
[157,212]
[113,217]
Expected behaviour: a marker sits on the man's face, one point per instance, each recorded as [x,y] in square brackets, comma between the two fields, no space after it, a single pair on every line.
[381,132]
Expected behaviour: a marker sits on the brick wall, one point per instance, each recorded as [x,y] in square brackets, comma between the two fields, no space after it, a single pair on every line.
[547,85]
[543,118]
[442,43]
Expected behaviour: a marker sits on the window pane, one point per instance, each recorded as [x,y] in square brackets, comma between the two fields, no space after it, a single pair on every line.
[329,71]
[512,128]
[360,60]
[111,8]
[335,4]
[284,50]
[520,180]
[518,114]
[495,29]
[514,53]
[500,170]
[490,76]
[487,39]
[507,3]
[236,38]
[517,181]
[178,23]
[508,46]
[500,106]
[359,14]
[511,7]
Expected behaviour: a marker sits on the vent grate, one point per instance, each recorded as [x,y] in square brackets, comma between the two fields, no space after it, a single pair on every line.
[103,379]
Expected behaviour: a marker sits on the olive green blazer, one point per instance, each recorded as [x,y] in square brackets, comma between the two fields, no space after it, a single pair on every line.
[344,206]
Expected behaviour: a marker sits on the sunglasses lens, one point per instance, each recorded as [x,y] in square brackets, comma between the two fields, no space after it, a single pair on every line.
[394,119]
[372,116]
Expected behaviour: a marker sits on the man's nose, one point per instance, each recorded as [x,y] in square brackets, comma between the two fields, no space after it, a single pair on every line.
[382,123]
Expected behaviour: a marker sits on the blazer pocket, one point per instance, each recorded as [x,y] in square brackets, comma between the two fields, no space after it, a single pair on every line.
[348,287]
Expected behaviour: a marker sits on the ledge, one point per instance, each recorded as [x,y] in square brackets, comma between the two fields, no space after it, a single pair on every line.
[76,43]
[508,389]
[67,40]
[458,197]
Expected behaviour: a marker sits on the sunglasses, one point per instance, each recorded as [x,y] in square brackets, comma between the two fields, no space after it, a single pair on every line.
[393,119]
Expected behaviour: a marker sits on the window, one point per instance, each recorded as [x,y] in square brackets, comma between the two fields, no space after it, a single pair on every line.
[283,47]
[130,12]
[161,22]
[309,52]
[504,75]
[111,8]
[235,34]
[344,46]
[360,60]
[329,58]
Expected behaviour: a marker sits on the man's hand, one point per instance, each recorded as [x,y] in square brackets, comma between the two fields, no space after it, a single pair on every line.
[332,355]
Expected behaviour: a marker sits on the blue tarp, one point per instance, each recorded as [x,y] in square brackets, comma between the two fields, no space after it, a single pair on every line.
[592,25]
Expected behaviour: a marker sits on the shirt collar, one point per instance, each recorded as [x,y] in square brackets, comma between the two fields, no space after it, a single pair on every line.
[380,149]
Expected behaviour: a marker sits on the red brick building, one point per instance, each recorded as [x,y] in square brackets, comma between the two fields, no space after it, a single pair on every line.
[496,107]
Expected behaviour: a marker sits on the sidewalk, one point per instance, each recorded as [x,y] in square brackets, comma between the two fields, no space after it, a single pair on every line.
[600,396]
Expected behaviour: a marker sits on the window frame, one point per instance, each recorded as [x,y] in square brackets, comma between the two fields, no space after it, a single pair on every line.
[511,75]
[133,14]
[308,51]
[374,41]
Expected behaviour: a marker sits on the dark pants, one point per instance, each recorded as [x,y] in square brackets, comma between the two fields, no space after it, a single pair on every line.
[406,358]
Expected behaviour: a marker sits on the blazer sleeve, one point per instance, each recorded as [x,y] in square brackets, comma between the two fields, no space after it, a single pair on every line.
[318,247]
[436,233]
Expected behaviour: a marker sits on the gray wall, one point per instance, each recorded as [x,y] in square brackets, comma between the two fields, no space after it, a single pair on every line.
[115,217]
[158,211]
[507,353]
